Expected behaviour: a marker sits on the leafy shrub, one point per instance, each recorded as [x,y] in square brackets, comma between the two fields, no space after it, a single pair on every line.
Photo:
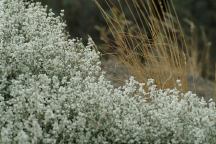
[52,90]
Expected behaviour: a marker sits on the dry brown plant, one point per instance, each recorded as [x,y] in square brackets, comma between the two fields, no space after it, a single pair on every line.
[148,39]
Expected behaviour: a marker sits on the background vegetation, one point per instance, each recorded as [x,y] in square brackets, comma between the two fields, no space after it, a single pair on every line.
[83,19]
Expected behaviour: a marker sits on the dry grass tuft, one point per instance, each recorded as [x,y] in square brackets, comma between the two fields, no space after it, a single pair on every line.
[148,40]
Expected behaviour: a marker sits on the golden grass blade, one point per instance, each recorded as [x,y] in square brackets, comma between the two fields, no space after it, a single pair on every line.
[148,38]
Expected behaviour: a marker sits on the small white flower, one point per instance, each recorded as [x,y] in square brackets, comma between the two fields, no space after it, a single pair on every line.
[178,82]
[150,82]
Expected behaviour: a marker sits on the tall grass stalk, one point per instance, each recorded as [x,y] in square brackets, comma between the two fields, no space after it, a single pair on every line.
[148,39]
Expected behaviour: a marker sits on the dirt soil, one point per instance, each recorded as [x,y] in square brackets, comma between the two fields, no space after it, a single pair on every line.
[117,73]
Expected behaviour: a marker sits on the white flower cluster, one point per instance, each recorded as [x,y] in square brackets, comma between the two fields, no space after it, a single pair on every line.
[52,91]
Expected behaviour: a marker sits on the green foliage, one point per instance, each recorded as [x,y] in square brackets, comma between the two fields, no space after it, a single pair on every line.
[203,13]
[81,16]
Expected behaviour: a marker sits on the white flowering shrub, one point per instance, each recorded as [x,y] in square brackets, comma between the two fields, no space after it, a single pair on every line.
[52,91]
